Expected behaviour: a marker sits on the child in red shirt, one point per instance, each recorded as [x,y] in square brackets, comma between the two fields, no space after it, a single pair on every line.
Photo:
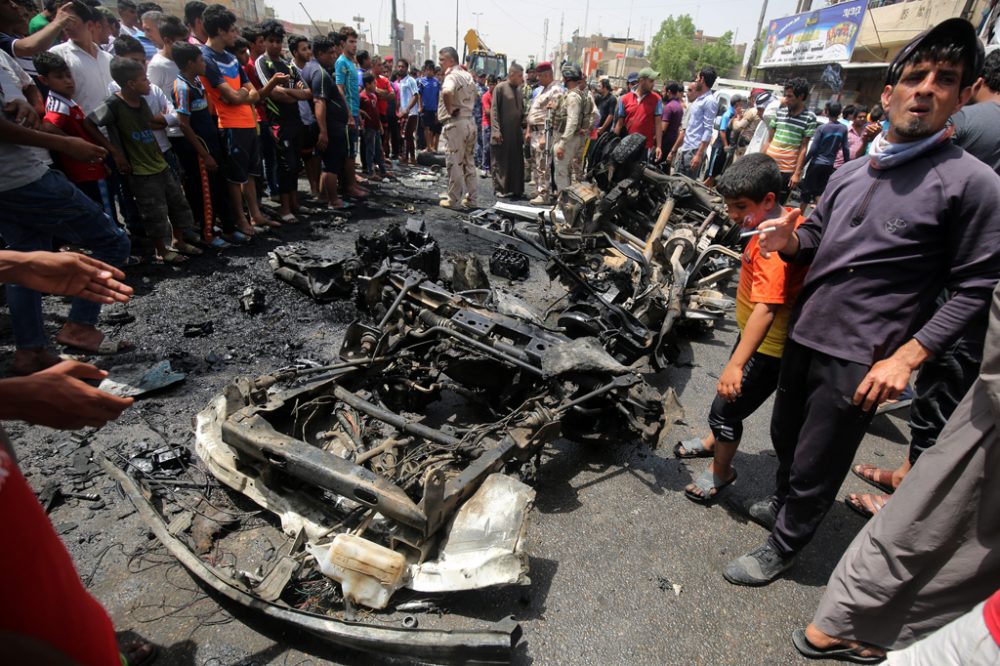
[372,128]
[63,115]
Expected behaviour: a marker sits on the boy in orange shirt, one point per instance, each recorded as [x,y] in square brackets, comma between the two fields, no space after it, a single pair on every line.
[767,291]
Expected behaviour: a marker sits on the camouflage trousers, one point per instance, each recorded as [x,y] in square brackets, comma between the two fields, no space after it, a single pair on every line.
[576,168]
[541,164]
[565,175]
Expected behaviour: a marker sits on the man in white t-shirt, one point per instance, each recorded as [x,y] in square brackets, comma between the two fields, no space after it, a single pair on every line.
[408,111]
[90,65]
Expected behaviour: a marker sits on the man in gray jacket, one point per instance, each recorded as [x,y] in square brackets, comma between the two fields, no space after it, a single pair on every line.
[891,232]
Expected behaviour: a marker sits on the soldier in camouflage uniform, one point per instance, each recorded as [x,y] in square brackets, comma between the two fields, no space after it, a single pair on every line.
[570,126]
[539,126]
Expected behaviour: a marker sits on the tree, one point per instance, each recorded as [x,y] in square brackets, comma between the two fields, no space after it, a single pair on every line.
[675,55]
[672,49]
[719,55]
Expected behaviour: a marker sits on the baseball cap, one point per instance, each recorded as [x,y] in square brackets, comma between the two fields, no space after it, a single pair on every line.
[648,73]
[955,31]
[763,99]
[543,66]
[632,77]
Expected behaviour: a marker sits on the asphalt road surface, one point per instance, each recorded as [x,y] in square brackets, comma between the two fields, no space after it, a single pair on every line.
[624,569]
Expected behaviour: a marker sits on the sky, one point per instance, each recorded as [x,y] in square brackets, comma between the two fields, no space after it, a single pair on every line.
[516,27]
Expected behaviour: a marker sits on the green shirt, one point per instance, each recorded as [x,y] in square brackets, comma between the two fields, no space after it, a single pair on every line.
[38,22]
[131,130]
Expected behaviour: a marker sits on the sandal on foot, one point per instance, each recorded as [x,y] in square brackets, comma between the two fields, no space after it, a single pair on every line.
[173,257]
[238,238]
[872,475]
[866,505]
[187,248]
[706,483]
[838,653]
[107,347]
[693,448]
[137,653]
[289,218]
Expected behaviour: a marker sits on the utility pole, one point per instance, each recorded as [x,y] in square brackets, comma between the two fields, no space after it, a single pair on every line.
[545,40]
[559,52]
[359,20]
[586,15]
[396,50]
[628,35]
[755,51]
[456,24]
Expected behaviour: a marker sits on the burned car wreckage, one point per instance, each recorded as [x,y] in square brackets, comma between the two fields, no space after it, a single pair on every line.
[404,470]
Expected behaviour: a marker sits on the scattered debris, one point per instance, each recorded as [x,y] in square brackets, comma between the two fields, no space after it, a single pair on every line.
[199,329]
[166,460]
[253,301]
[509,263]
[468,274]
[207,524]
[129,381]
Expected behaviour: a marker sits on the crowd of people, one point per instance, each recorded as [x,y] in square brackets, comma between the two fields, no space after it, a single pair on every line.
[180,127]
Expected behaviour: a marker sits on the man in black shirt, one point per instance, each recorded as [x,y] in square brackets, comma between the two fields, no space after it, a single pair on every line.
[606,105]
[331,116]
[283,113]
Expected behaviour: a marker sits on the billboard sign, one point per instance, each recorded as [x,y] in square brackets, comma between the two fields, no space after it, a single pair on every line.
[823,36]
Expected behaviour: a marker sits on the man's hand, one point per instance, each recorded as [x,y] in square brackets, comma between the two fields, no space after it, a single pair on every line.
[777,235]
[872,130]
[279,79]
[793,182]
[350,121]
[696,163]
[659,154]
[121,161]
[23,114]
[210,163]
[890,377]
[322,141]
[71,274]
[57,397]
[65,17]
[82,150]
[671,155]
[730,382]
[560,152]
[496,139]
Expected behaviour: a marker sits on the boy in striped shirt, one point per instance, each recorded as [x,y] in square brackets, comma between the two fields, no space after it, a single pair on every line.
[791,130]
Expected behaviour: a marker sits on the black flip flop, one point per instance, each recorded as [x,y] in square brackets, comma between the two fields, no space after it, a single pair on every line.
[840,653]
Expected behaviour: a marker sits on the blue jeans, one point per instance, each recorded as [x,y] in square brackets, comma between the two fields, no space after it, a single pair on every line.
[485,136]
[372,158]
[30,217]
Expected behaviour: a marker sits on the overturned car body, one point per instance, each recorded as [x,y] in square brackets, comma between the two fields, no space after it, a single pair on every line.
[403,472]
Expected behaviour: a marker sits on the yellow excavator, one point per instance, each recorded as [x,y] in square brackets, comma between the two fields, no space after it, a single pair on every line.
[477,56]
